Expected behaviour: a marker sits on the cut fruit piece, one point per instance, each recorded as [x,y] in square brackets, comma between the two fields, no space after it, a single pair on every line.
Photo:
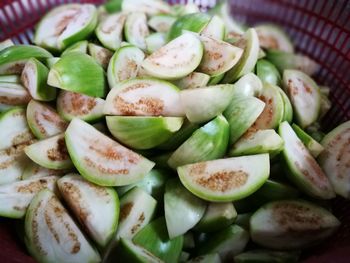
[10,79]
[161,23]
[96,207]
[72,105]
[273,37]
[49,62]
[13,59]
[176,59]
[101,160]
[208,258]
[194,22]
[182,209]
[288,109]
[215,28]
[267,72]
[155,41]
[227,243]
[43,120]
[249,85]
[100,54]
[80,46]
[12,95]
[207,143]
[143,132]
[272,114]
[154,237]
[267,256]
[16,197]
[216,217]
[241,114]
[14,128]
[33,170]
[136,29]
[248,60]
[50,153]
[144,97]
[311,144]
[302,167]
[304,95]
[124,64]
[51,235]
[203,104]
[150,7]
[219,56]
[6,43]
[65,25]
[335,158]
[258,141]
[110,31]
[291,224]
[226,180]
[193,81]
[80,73]
[215,79]
[184,9]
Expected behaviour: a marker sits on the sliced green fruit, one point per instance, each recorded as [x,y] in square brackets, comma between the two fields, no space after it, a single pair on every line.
[216,217]
[6,43]
[33,170]
[183,210]
[268,256]
[268,72]
[49,62]
[335,158]
[65,25]
[101,160]
[241,114]
[80,46]
[12,95]
[207,143]
[325,106]
[16,197]
[184,9]
[216,79]
[154,238]
[227,243]
[110,31]
[248,60]
[208,258]
[100,54]
[161,23]
[219,56]
[311,144]
[96,207]
[303,169]
[10,79]
[50,153]
[288,109]
[43,120]
[150,7]
[257,141]
[155,41]
[168,63]
[124,64]
[144,97]
[51,235]
[215,28]
[136,29]
[226,180]
[72,105]
[203,104]
[193,81]
[14,128]
[291,224]
[273,37]
[248,85]
[143,132]
[304,95]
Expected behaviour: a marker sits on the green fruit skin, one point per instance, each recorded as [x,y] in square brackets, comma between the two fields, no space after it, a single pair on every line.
[313,146]
[288,109]
[80,46]
[267,72]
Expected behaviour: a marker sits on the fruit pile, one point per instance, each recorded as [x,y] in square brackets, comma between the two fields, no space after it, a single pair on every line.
[143,132]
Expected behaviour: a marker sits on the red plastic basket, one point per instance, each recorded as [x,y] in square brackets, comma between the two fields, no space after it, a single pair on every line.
[319,29]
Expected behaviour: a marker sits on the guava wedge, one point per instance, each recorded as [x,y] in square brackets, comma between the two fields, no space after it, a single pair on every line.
[193,81]
[100,54]
[155,41]
[80,46]
[150,7]
[288,108]
[6,43]
[161,23]
[248,85]
[311,144]
[12,95]
[33,170]
[136,29]
[268,72]
[273,37]
[215,28]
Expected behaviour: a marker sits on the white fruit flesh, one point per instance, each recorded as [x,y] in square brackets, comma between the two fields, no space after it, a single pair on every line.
[12,94]
[136,29]
[150,7]
[33,170]
[272,37]
[248,85]
[215,28]
[193,81]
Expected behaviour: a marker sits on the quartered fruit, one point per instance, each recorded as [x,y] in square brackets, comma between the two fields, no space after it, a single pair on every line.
[100,54]
[80,46]
[216,217]
[155,41]
[215,28]
[268,72]
[78,72]
[273,37]
[72,105]
[13,59]
[161,23]
[101,160]
[248,85]
[288,108]
[218,57]
[43,120]
[335,158]
[183,210]
[225,180]
[176,59]
[136,29]
[50,153]
[12,95]
[291,224]
[124,64]
[110,31]
[311,144]
[150,7]
[65,25]
[143,132]
[216,79]
[33,170]
[184,9]
[144,97]
[154,237]
[207,143]
[96,207]
[267,256]
[203,104]
[16,197]
[51,235]
[10,79]
[208,258]
[193,81]
[304,95]
[49,62]
[14,128]
[303,168]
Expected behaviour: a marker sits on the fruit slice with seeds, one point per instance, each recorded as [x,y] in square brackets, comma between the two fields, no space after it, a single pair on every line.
[193,81]
[136,29]
[12,95]
[273,37]
[100,54]
[33,170]
[80,46]
[267,72]
[215,28]
[161,23]
[311,144]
